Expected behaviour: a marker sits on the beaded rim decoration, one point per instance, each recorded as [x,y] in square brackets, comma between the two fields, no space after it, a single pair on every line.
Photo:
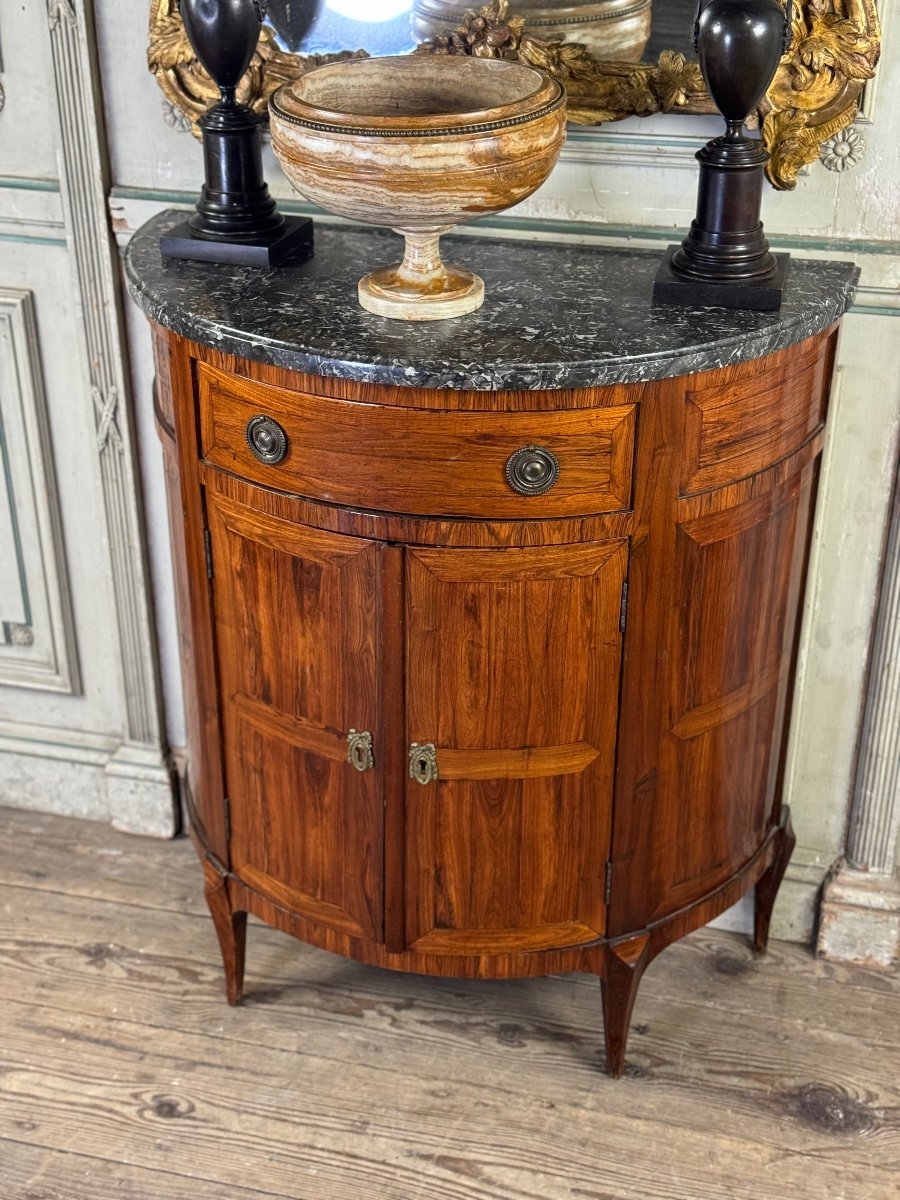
[631,11]
[446,131]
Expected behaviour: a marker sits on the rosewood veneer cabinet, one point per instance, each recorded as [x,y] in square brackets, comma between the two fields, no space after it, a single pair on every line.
[488,627]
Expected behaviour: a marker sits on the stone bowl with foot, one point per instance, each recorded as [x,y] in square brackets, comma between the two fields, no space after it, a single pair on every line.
[419,144]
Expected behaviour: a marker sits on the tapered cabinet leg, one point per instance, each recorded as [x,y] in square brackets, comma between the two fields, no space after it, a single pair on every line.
[767,888]
[231,928]
[619,982]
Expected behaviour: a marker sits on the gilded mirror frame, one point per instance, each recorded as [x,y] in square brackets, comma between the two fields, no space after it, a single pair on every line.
[815,94]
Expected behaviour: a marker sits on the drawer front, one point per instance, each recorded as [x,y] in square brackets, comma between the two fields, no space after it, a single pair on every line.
[428,462]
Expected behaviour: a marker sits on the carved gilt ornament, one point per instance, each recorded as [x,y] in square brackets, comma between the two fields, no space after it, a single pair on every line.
[814,96]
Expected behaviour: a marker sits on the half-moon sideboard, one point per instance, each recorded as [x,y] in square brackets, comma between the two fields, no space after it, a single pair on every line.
[488,627]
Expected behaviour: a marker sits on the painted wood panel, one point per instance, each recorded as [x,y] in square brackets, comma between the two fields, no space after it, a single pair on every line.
[37,639]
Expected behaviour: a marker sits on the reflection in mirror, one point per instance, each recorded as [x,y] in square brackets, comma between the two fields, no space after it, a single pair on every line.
[328,26]
[672,28]
[813,98]
[611,29]
[625,30]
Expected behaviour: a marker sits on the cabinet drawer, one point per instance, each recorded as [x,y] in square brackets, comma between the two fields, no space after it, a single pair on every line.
[431,462]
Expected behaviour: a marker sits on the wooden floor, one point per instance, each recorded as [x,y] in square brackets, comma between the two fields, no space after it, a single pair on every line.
[124,1074]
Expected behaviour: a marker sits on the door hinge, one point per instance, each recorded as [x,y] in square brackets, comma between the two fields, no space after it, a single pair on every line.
[207,547]
[607,884]
[623,606]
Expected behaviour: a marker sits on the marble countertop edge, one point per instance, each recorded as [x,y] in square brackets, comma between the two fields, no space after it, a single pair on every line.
[600,328]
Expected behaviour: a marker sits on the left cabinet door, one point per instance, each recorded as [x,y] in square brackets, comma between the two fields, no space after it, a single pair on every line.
[297,629]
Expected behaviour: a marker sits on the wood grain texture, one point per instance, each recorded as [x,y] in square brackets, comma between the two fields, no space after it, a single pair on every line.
[503,961]
[419,460]
[163,391]
[735,428]
[69,866]
[510,652]
[766,889]
[391,745]
[414,530]
[709,657]
[124,1074]
[418,397]
[532,762]
[32,1172]
[595,791]
[174,374]
[231,930]
[732,645]
[298,639]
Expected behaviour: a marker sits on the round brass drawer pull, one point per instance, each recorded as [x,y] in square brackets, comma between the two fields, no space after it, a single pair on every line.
[266,439]
[532,470]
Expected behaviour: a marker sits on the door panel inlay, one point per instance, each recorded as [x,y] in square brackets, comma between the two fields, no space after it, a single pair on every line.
[738,428]
[297,617]
[732,643]
[520,698]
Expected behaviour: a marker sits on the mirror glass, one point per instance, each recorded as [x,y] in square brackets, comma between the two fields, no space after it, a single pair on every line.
[386,26]
[327,26]
[671,28]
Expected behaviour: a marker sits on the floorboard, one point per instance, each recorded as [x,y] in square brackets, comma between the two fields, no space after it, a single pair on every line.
[124,1073]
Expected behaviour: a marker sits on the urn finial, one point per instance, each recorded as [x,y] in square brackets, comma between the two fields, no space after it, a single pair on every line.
[739,44]
[224,35]
[236,219]
[725,259]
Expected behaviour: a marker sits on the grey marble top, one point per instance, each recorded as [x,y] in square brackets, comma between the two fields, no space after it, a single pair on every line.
[556,315]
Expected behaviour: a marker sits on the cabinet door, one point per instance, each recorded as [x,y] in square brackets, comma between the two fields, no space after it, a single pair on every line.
[513,675]
[297,627]
[701,794]
[738,573]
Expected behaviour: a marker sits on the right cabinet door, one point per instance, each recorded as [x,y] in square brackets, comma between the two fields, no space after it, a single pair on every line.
[700,803]
[512,663]
[738,579]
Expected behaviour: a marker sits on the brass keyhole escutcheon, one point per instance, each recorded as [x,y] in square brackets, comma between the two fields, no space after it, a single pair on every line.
[532,470]
[359,750]
[266,439]
[423,762]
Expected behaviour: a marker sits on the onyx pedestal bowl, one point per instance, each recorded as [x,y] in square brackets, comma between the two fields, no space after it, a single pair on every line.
[419,144]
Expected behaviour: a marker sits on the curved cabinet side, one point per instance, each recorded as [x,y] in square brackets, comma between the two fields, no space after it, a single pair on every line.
[716,587]
[174,407]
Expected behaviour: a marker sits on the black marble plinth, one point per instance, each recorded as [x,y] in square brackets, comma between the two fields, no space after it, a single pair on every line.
[291,242]
[764,295]
[556,315]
